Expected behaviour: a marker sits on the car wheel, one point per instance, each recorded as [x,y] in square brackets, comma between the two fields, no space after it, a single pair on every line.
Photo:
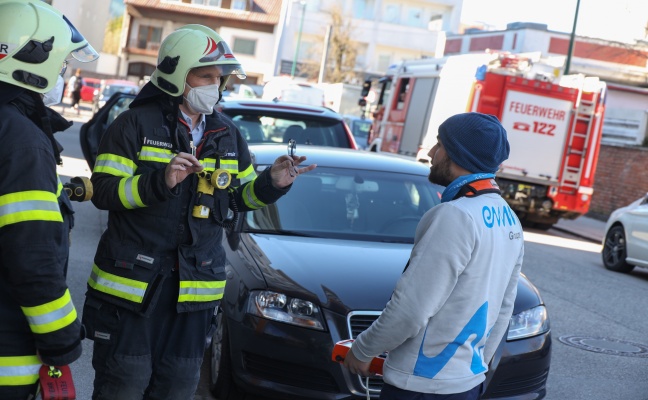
[221,383]
[614,250]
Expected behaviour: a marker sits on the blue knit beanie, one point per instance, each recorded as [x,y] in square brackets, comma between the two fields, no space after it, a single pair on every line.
[474,141]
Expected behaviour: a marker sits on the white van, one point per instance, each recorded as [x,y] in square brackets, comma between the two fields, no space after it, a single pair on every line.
[287,89]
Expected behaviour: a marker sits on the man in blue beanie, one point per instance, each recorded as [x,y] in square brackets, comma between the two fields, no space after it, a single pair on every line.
[452,305]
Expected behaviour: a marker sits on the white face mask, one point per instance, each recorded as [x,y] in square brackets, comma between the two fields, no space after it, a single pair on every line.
[202,99]
[55,95]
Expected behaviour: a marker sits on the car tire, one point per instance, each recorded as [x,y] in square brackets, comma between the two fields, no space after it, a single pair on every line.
[221,383]
[614,250]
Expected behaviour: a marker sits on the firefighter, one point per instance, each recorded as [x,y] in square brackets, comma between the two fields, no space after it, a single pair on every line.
[169,170]
[39,321]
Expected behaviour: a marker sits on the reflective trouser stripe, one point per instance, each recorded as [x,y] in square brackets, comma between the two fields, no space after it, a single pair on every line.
[250,198]
[31,205]
[115,165]
[19,370]
[201,291]
[155,154]
[52,316]
[117,286]
[129,193]
[247,175]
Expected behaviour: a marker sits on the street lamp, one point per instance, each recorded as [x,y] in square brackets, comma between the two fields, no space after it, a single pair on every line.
[301,26]
[571,40]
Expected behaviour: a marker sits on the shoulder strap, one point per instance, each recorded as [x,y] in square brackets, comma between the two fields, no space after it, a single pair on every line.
[477,188]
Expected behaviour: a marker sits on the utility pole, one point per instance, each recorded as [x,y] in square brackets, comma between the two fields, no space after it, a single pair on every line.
[301,27]
[327,43]
[571,40]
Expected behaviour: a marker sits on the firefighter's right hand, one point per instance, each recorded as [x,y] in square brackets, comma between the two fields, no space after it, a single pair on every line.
[180,167]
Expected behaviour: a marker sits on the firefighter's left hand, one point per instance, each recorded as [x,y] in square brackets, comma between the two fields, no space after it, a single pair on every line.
[285,170]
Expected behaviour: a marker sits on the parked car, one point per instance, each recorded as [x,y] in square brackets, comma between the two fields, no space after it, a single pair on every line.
[360,129]
[109,87]
[259,122]
[626,237]
[320,265]
[88,88]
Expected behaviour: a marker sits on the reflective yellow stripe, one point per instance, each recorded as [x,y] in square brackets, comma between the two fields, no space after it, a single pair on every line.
[52,316]
[18,371]
[129,193]
[209,163]
[201,291]
[250,198]
[229,165]
[115,165]
[148,153]
[247,175]
[117,286]
[31,205]
[59,186]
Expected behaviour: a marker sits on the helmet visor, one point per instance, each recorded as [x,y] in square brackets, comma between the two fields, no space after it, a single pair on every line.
[232,69]
[85,54]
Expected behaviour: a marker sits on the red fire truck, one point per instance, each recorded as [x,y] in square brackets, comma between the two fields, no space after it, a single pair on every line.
[553,122]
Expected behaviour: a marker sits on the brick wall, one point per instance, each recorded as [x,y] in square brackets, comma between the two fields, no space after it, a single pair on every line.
[621,178]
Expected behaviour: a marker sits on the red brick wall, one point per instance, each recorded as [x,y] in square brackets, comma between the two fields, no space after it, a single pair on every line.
[621,178]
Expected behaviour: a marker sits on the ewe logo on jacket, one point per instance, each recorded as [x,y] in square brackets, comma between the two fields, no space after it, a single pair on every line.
[502,216]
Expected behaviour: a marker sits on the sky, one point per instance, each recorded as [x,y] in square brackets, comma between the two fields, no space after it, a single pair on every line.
[617,20]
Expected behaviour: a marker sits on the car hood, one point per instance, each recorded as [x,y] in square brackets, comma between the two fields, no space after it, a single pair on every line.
[340,275]
[343,275]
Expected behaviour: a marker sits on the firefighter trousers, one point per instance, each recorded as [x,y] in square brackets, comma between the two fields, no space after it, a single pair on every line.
[153,358]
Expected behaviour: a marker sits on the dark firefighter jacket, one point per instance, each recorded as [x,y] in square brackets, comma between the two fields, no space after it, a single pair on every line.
[36,310]
[151,229]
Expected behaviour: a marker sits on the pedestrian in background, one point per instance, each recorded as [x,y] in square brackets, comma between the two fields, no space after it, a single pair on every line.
[159,270]
[452,304]
[39,321]
[76,84]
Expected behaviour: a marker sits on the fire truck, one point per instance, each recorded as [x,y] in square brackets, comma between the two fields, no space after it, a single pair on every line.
[553,121]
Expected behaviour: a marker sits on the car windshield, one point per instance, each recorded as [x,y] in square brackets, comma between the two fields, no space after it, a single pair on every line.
[303,128]
[349,204]
[360,128]
[109,90]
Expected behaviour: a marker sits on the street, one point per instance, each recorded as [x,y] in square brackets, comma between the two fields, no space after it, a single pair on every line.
[583,299]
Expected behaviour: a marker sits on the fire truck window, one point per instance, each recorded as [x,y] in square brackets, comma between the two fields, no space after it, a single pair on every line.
[402,92]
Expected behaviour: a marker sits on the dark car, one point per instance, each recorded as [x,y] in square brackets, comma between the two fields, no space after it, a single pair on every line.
[260,122]
[320,265]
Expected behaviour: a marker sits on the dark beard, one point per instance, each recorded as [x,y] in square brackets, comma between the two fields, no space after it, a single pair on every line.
[440,173]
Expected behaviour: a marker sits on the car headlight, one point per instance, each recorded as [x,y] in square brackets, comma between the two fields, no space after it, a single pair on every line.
[279,307]
[528,323]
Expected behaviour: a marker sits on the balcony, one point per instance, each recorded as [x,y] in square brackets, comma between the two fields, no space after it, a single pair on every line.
[143,47]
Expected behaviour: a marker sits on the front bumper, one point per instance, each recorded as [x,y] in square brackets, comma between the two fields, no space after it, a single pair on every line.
[279,360]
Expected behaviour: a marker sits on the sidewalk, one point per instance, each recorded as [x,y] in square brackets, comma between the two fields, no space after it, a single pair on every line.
[583,227]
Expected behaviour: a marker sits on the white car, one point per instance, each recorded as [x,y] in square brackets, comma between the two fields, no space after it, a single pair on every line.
[626,237]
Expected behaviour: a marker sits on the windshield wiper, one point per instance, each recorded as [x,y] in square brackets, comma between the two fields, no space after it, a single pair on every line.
[280,232]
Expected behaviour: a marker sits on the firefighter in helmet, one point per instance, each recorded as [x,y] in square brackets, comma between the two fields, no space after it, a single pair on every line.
[39,321]
[169,170]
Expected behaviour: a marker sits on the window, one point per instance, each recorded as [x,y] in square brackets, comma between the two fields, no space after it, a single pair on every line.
[363,9]
[244,46]
[402,93]
[392,13]
[239,5]
[140,69]
[209,3]
[149,37]
[415,17]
